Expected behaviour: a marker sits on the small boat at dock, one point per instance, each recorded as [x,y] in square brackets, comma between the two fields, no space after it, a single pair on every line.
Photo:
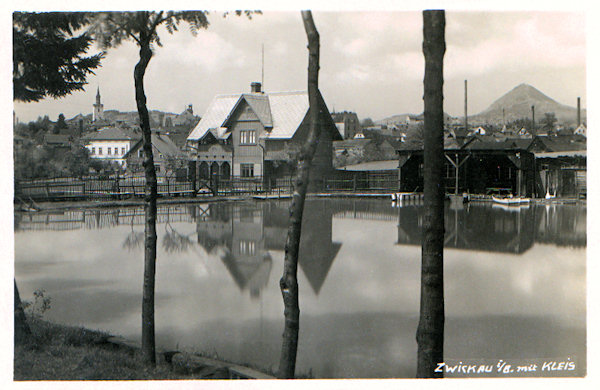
[510,200]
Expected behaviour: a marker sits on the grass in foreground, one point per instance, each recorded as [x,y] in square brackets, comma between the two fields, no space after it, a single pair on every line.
[57,352]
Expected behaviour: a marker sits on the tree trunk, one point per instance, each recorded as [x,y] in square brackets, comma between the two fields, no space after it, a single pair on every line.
[430,333]
[289,282]
[22,330]
[148,342]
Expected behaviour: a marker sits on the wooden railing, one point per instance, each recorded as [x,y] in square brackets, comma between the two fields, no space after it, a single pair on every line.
[361,182]
[123,188]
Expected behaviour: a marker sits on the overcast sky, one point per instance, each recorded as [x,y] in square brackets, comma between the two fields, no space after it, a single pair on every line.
[371,62]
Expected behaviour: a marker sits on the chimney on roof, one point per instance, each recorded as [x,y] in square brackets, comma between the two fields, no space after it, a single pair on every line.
[255,87]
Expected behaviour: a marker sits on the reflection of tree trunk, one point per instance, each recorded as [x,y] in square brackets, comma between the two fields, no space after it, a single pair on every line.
[148,343]
[430,333]
[289,281]
[22,331]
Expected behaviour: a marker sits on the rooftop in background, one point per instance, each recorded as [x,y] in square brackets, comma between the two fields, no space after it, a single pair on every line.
[110,134]
[385,165]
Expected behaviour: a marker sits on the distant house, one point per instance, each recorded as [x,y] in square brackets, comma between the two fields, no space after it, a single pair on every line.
[110,144]
[581,130]
[479,130]
[256,134]
[58,141]
[347,123]
[524,133]
[351,147]
[167,156]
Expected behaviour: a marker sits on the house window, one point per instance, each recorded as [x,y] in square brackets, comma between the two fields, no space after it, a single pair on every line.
[100,151]
[108,152]
[248,137]
[93,150]
[247,248]
[141,153]
[123,150]
[247,170]
[157,168]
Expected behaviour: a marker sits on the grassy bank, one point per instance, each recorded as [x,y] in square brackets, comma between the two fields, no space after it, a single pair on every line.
[57,352]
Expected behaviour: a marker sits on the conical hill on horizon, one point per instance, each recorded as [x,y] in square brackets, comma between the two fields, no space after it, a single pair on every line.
[517,105]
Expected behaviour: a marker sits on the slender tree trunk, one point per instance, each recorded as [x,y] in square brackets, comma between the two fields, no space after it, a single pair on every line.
[22,330]
[430,333]
[289,282]
[148,342]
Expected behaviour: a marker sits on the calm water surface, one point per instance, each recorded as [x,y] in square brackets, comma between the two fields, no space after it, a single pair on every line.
[514,281]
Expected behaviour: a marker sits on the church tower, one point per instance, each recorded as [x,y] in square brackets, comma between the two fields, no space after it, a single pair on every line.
[98,108]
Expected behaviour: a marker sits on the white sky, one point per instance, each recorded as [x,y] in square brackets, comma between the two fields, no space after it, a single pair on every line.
[371,62]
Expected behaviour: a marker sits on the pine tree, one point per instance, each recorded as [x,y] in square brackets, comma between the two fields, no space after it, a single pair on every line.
[48,57]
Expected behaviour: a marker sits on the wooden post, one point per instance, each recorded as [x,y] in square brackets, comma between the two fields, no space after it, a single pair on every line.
[456,175]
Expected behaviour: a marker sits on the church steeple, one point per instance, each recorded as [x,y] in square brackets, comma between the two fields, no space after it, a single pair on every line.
[98,107]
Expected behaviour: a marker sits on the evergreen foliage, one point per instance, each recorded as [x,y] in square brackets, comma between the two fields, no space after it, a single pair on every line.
[48,55]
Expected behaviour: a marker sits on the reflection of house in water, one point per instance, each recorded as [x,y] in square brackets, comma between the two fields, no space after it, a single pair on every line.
[564,225]
[243,234]
[496,228]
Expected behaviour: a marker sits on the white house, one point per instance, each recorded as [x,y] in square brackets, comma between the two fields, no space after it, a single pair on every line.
[581,130]
[478,130]
[110,144]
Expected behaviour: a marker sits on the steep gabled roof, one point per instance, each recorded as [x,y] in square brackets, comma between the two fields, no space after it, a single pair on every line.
[217,112]
[288,110]
[260,105]
[282,111]
[162,143]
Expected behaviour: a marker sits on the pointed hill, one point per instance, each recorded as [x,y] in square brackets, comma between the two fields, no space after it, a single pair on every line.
[517,104]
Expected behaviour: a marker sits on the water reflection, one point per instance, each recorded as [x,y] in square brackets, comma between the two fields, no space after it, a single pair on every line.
[502,229]
[243,234]
[515,280]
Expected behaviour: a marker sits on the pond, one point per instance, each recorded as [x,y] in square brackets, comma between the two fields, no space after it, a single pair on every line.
[514,281]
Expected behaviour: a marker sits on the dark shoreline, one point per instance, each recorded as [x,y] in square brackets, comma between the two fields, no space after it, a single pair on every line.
[60,352]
